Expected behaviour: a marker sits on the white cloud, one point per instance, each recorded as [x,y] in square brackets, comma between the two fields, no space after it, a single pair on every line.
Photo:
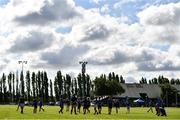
[96,1]
[108,43]
[122,2]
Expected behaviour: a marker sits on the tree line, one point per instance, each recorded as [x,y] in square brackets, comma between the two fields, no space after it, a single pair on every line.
[38,85]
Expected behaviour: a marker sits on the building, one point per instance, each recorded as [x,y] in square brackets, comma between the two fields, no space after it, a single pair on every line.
[134,90]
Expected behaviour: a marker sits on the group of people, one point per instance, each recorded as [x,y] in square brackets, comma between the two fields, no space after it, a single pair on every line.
[76,103]
[85,103]
[159,107]
[34,104]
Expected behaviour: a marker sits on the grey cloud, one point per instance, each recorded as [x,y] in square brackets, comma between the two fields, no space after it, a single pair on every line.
[117,58]
[151,66]
[65,57]
[120,57]
[96,32]
[35,41]
[59,11]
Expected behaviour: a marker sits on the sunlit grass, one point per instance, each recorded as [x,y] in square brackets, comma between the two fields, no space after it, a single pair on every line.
[51,112]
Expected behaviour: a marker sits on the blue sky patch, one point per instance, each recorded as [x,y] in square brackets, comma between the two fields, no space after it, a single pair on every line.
[63,30]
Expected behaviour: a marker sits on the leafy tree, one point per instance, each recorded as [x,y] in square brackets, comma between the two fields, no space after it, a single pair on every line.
[38,80]
[107,87]
[122,79]
[22,84]
[88,85]
[4,87]
[168,93]
[75,86]
[17,87]
[51,91]
[28,85]
[56,90]
[10,85]
[33,80]
[13,85]
[46,85]
[59,82]
[80,85]
[68,82]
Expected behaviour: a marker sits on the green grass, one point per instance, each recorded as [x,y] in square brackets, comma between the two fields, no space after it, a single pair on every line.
[51,112]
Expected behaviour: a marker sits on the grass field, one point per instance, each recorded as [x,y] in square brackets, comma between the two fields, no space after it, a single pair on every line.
[51,112]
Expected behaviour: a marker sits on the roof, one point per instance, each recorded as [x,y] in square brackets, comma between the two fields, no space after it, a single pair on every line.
[152,90]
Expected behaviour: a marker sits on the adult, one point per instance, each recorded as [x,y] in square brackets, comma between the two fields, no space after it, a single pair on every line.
[85,105]
[21,105]
[127,105]
[117,105]
[150,106]
[35,105]
[110,105]
[95,106]
[99,105]
[79,105]
[73,104]
[61,104]
[41,106]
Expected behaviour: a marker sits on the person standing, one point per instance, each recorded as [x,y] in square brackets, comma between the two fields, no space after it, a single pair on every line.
[110,105]
[79,105]
[88,104]
[99,105]
[67,104]
[127,105]
[21,105]
[150,106]
[73,104]
[61,104]
[117,105]
[41,106]
[35,104]
[85,105]
[95,106]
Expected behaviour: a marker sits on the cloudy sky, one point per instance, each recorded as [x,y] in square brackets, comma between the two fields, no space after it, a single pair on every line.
[134,38]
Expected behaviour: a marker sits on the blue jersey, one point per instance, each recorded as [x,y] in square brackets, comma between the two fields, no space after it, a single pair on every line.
[61,103]
[35,103]
[110,103]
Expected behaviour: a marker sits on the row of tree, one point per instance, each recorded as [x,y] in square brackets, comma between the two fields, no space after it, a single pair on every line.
[160,80]
[37,85]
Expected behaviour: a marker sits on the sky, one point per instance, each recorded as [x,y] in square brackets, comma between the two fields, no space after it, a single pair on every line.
[133,38]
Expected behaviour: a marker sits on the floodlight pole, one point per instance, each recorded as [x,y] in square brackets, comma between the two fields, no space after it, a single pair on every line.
[83,63]
[22,66]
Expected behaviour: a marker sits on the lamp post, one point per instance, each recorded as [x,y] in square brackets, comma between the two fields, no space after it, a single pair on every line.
[22,79]
[83,63]
[22,64]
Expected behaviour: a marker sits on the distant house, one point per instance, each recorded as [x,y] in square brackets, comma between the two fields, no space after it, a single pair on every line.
[134,90]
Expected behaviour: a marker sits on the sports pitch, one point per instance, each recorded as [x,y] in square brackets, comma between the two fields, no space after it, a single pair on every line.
[51,112]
